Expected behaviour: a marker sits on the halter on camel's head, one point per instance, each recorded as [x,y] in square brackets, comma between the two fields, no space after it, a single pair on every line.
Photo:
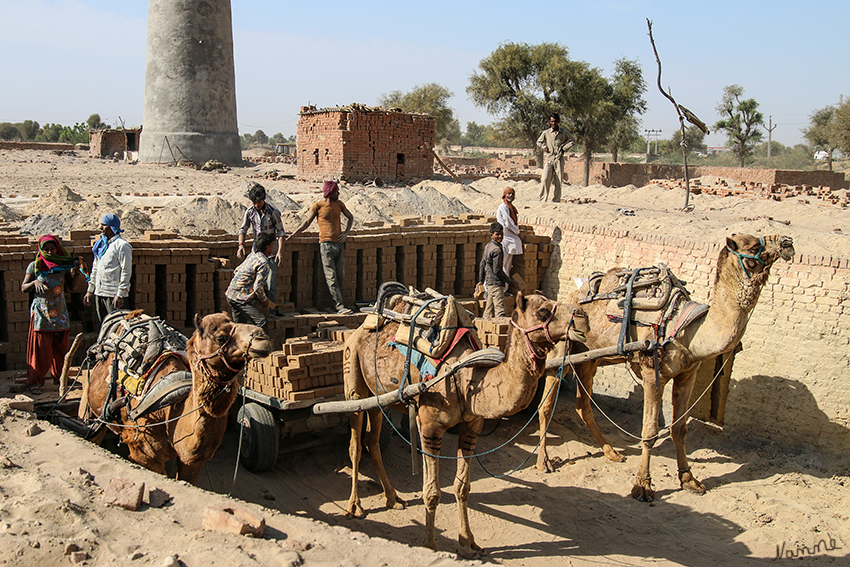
[770,248]
[575,330]
[223,340]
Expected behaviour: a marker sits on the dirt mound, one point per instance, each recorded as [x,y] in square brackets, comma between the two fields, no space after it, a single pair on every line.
[198,216]
[8,215]
[279,199]
[54,201]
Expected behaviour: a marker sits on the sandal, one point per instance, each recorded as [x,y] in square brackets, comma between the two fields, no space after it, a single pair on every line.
[34,390]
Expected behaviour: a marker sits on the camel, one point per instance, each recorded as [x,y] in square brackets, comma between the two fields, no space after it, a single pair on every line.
[743,267]
[216,353]
[470,396]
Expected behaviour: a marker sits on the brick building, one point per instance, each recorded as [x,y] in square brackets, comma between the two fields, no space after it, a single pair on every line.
[106,143]
[356,143]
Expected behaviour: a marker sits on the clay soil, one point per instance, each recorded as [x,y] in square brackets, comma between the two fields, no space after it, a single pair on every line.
[762,499]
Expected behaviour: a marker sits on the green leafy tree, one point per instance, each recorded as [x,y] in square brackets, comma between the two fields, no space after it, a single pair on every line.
[49,133]
[479,135]
[518,82]
[277,138]
[29,129]
[430,98]
[94,122]
[822,132]
[693,140]
[740,119]
[842,126]
[261,138]
[629,88]
[9,131]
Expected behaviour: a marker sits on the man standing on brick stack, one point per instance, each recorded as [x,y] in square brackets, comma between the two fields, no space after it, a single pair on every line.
[263,218]
[331,239]
[249,281]
[554,142]
[111,270]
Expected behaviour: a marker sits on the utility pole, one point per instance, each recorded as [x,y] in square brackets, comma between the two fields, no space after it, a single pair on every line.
[770,130]
[650,133]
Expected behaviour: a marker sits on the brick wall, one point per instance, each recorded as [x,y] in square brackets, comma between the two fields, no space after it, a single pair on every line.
[360,145]
[639,174]
[789,384]
[175,278]
[4,145]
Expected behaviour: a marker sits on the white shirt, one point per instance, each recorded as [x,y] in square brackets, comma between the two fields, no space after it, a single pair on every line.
[110,274]
[511,244]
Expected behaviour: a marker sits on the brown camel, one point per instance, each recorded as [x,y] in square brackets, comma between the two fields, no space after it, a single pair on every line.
[470,396]
[742,270]
[216,352]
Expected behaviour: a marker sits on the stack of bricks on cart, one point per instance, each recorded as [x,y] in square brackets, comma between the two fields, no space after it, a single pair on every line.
[177,277]
[359,143]
[302,370]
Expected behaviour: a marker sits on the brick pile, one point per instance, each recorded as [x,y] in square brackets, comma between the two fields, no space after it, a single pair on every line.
[494,332]
[756,190]
[356,145]
[303,370]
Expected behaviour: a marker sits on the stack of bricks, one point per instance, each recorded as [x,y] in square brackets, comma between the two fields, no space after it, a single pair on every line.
[494,332]
[360,144]
[303,370]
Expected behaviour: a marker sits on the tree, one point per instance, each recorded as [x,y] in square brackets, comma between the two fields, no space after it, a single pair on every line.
[9,131]
[842,126]
[518,81]
[629,88]
[261,138]
[693,140]
[429,98]
[479,135]
[740,119]
[94,123]
[823,132]
[29,129]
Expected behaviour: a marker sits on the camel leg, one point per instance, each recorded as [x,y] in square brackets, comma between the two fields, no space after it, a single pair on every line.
[431,435]
[376,420]
[683,386]
[465,449]
[584,374]
[544,416]
[642,490]
[354,508]
[189,473]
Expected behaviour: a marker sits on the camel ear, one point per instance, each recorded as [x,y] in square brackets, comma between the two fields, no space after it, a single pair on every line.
[520,301]
[198,322]
[731,243]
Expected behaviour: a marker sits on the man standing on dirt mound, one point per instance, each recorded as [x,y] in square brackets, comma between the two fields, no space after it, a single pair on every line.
[111,270]
[263,218]
[554,142]
[331,239]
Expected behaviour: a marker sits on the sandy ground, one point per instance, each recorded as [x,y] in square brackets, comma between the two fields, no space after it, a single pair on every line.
[760,500]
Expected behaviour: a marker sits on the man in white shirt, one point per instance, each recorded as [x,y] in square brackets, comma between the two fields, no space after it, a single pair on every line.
[109,284]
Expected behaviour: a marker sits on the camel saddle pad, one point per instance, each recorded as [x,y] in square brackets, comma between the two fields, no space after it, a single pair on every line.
[436,341]
[138,344]
[656,294]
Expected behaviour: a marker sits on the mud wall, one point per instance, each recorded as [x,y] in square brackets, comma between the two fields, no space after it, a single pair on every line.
[356,146]
[639,174]
[789,384]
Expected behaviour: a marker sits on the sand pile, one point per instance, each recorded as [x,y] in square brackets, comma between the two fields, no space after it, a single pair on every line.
[8,215]
[198,215]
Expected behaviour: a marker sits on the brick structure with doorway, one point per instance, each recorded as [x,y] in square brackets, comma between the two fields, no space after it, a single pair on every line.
[362,143]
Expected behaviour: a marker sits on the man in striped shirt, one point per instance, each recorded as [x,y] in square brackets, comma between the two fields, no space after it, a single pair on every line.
[263,218]
[248,284]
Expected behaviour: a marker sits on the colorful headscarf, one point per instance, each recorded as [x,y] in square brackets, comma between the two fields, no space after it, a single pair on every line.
[100,245]
[511,208]
[49,263]
[329,188]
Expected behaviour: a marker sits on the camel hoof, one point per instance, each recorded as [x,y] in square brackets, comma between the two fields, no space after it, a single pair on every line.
[642,493]
[396,504]
[612,455]
[691,484]
[470,550]
[355,511]
[545,465]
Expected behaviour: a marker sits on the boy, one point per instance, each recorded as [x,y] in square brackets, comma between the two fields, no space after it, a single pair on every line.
[491,273]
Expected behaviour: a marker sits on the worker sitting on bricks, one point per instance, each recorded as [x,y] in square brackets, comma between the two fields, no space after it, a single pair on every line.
[248,284]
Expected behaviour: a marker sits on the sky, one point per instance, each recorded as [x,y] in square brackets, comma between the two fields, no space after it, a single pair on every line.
[62,60]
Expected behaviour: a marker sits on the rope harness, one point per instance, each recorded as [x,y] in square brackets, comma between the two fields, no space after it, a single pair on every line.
[537,358]
[756,257]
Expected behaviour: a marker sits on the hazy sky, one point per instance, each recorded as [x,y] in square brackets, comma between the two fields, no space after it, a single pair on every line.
[62,60]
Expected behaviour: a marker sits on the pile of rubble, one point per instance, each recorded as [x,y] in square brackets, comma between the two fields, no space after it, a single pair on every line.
[754,190]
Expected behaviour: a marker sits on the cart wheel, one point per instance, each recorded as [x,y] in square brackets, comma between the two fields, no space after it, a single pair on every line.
[260,437]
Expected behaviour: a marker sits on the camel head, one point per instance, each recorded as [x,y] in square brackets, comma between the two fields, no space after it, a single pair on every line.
[545,322]
[225,346]
[754,256]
